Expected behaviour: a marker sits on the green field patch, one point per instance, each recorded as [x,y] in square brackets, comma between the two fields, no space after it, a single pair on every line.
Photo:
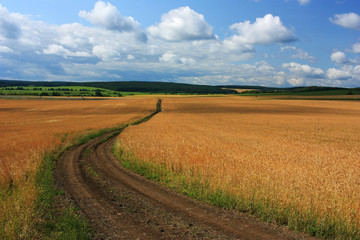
[60,91]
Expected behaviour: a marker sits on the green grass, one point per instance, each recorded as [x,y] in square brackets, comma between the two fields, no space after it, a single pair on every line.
[63,223]
[71,91]
[56,223]
[193,185]
[95,134]
[61,91]
[93,172]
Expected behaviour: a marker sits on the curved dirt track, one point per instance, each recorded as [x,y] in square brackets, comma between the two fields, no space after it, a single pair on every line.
[122,205]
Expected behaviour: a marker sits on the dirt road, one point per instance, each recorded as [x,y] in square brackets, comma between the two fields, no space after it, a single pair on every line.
[122,205]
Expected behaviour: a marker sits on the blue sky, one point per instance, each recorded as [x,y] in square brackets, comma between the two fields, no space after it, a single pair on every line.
[278,43]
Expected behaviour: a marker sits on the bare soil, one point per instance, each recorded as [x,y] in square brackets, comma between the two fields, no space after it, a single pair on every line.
[122,205]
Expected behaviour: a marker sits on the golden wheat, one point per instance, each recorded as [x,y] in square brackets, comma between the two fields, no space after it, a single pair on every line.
[302,155]
[28,129]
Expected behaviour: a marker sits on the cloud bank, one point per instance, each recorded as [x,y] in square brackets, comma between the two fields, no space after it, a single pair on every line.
[182,47]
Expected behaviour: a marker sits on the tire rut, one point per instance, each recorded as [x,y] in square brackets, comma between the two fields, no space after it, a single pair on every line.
[120,204]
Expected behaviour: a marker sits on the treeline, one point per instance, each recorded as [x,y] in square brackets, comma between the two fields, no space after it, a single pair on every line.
[147,87]
[290,89]
[40,89]
[173,88]
[294,90]
[160,87]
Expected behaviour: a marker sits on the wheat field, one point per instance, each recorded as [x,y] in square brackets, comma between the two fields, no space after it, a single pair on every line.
[297,159]
[29,129]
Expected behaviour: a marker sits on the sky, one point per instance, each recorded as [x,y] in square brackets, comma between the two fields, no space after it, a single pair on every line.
[277,43]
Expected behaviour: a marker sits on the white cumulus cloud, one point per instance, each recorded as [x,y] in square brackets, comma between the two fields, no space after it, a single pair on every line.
[264,67]
[105,53]
[339,57]
[338,74]
[5,49]
[288,48]
[130,57]
[356,70]
[299,53]
[172,58]
[60,50]
[356,48]
[347,20]
[304,70]
[182,24]
[296,81]
[9,26]
[303,2]
[264,31]
[107,15]
[169,57]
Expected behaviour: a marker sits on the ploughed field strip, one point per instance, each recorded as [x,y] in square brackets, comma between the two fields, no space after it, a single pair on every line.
[122,205]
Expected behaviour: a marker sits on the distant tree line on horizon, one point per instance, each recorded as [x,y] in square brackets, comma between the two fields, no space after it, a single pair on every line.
[148,87]
[170,88]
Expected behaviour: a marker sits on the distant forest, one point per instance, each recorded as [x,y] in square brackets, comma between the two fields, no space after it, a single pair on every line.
[147,87]
[182,88]
[305,90]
